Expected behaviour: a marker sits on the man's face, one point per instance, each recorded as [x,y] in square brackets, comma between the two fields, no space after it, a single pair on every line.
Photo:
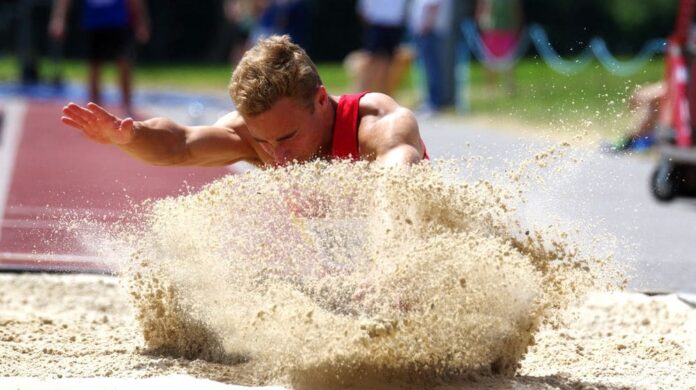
[289,130]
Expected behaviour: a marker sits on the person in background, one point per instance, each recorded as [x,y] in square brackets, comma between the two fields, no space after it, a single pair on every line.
[384,24]
[240,20]
[500,22]
[429,24]
[356,64]
[265,26]
[109,26]
[294,20]
[649,105]
[283,17]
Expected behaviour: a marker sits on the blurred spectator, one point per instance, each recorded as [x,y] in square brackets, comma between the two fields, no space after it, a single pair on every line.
[294,19]
[279,17]
[429,24]
[265,22]
[240,19]
[384,25]
[500,22]
[649,105]
[109,27]
[356,65]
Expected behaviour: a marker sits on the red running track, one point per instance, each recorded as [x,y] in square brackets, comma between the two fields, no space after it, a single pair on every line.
[58,172]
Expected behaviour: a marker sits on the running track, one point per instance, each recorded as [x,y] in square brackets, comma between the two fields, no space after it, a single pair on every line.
[48,170]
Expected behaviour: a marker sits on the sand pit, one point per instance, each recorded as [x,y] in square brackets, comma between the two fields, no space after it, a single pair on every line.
[67,326]
[341,275]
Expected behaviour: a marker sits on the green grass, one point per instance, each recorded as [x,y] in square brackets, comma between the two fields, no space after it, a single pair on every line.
[593,99]
[189,77]
[8,69]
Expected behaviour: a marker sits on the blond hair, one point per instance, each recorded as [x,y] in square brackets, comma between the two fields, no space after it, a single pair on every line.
[274,68]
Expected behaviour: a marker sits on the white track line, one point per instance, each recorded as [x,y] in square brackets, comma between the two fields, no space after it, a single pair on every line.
[48,257]
[33,224]
[14,111]
[23,262]
[49,211]
[30,224]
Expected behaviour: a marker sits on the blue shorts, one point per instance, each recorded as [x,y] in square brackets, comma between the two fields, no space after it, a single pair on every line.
[106,44]
[382,39]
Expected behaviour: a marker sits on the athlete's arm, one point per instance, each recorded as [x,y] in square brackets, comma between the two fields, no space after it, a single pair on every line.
[161,141]
[388,133]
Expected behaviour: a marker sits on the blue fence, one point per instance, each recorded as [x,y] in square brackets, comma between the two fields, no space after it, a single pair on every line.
[535,35]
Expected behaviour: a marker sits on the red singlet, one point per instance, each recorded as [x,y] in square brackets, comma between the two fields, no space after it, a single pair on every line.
[345,130]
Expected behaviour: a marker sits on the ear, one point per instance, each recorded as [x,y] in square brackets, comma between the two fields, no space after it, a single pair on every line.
[321,97]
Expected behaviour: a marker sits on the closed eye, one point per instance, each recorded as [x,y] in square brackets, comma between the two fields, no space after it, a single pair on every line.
[287,137]
[280,139]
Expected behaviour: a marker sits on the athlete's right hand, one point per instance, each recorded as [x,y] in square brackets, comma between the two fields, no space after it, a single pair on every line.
[98,124]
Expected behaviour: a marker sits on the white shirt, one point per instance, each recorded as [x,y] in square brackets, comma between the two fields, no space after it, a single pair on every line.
[383,12]
[417,15]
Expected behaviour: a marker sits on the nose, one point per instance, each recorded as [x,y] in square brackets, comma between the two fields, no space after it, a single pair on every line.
[279,153]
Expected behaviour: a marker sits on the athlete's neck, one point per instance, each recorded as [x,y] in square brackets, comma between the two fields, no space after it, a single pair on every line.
[330,121]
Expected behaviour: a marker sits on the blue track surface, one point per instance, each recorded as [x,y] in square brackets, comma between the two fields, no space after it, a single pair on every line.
[78,93]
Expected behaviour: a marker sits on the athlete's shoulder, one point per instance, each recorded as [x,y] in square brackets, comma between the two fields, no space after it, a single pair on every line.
[236,127]
[385,125]
[234,123]
[232,120]
[377,105]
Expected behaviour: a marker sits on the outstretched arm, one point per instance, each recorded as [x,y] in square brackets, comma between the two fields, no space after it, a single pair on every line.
[160,141]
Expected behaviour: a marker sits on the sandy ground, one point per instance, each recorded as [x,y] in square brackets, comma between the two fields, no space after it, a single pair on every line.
[81,326]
